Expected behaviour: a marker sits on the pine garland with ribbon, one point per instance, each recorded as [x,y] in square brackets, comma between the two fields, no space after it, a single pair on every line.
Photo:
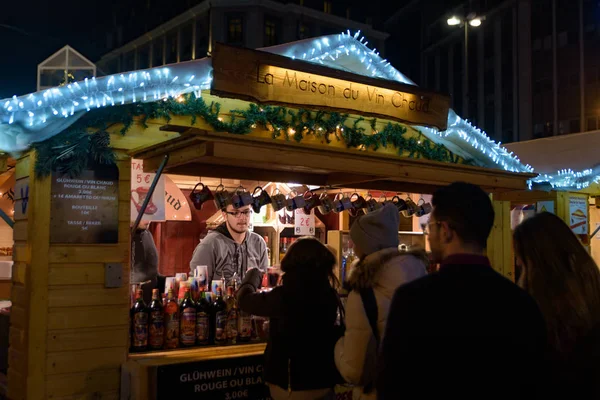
[70,151]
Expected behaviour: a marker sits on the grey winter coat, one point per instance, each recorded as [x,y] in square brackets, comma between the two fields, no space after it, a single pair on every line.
[223,256]
[355,352]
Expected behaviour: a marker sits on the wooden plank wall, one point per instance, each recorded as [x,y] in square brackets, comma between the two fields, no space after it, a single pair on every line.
[499,249]
[81,329]
[21,285]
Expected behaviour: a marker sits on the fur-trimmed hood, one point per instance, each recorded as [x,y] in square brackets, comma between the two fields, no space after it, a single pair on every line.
[387,266]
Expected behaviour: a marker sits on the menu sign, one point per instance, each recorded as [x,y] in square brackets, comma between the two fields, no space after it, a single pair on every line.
[220,379]
[85,209]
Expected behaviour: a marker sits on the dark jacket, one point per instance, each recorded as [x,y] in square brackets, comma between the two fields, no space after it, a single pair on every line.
[465,332]
[299,353]
[576,375]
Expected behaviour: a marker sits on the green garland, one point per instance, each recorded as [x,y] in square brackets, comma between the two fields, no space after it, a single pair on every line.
[70,151]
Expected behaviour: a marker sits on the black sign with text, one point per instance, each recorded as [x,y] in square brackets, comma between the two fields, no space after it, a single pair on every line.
[85,209]
[221,379]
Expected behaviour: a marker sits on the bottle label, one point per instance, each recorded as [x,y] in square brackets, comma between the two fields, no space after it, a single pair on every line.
[202,327]
[140,329]
[245,326]
[232,325]
[220,326]
[188,326]
[172,331]
[157,329]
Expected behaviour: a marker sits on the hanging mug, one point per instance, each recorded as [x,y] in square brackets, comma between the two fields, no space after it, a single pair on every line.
[326,205]
[310,202]
[261,200]
[399,203]
[294,201]
[359,202]
[222,197]
[201,196]
[411,208]
[341,203]
[241,198]
[371,203]
[278,200]
[423,208]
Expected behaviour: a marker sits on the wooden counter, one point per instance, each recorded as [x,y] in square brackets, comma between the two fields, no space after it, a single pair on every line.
[139,380]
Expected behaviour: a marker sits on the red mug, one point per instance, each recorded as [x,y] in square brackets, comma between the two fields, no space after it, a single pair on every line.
[142,193]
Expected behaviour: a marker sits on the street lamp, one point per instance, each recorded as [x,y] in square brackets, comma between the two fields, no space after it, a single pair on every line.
[475,21]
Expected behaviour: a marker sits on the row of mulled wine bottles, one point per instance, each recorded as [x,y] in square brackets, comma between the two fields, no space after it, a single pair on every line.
[172,325]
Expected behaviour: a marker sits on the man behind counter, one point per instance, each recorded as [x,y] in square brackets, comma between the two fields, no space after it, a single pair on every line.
[231,248]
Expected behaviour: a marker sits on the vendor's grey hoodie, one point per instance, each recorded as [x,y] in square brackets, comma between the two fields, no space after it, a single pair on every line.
[223,256]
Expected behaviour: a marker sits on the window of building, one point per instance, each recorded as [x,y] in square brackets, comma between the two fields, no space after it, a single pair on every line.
[592,123]
[171,47]
[347,12]
[235,29]
[563,39]
[271,36]
[157,52]
[574,79]
[202,35]
[548,42]
[538,128]
[574,126]
[128,62]
[327,7]
[185,36]
[143,57]
[537,44]
[303,31]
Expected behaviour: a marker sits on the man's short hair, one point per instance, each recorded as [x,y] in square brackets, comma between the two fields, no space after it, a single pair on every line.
[468,211]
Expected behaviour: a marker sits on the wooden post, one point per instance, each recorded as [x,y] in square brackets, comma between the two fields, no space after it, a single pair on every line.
[68,334]
[499,248]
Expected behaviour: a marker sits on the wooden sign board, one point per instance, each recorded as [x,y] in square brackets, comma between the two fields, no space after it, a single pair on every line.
[85,209]
[217,379]
[272,79]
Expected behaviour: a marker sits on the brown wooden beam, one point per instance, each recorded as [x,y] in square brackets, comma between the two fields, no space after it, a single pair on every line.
[244,173]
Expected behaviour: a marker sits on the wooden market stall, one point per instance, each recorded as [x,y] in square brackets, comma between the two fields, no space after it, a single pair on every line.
[570,164]
[71,293]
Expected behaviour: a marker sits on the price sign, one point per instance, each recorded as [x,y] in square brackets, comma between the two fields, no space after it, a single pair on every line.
[140,187]
[220,379]
[304,224]
[85,209]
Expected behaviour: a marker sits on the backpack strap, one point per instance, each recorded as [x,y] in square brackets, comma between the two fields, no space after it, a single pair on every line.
[370,306]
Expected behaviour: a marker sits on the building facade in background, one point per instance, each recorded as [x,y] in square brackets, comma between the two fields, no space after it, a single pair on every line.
[533,65]
[249,23]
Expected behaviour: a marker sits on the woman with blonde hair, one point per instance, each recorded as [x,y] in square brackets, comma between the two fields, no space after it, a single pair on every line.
[557,271]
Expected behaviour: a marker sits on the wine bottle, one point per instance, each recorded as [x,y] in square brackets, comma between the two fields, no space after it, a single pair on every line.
[139,323]
[220,319]
[156,327]
[232,316]
[202,320]
[171,322]
[187,322]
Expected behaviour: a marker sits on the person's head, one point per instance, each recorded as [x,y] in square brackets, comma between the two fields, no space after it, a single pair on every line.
[555,268]
[309,260]
[461,220]
[376,231]
[237,219]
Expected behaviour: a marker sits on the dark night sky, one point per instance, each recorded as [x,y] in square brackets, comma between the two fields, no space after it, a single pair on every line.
[32,30]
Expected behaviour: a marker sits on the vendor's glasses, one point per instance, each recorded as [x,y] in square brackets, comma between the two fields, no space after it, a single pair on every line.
[239,214]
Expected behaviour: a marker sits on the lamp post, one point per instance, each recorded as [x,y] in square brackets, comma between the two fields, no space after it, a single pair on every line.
[475,21]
